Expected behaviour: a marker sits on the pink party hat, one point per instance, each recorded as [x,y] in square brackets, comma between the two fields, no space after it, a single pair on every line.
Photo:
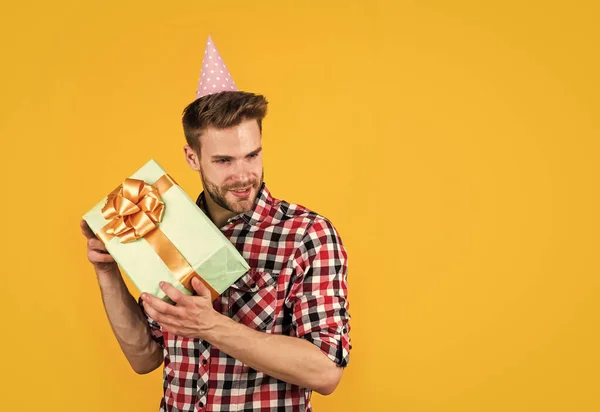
[214,77]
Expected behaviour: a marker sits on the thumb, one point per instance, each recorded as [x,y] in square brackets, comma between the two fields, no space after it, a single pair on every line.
[200,288]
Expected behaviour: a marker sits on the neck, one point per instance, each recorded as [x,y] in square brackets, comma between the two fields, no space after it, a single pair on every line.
[216,213]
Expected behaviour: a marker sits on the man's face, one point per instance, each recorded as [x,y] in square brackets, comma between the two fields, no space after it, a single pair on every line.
[231,166]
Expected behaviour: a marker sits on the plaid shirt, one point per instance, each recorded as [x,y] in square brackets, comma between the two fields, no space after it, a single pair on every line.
[296,286]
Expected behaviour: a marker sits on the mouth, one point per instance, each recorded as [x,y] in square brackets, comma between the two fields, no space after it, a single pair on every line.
[242,192]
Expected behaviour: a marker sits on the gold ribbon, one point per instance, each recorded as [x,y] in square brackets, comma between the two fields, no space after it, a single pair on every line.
[134,210]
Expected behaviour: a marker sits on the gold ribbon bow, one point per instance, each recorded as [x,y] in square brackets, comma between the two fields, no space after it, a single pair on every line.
[134,210]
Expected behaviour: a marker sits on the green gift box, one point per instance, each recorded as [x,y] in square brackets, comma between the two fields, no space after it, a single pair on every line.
[155,232]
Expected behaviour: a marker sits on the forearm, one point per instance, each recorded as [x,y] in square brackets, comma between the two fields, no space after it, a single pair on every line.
[129,323]
[286,358]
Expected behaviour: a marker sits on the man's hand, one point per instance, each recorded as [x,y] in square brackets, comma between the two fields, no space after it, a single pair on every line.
[191,317]
[96,251]
[287,358]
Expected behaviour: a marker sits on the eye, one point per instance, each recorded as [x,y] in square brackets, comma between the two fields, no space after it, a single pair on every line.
[252,156]
[222,161]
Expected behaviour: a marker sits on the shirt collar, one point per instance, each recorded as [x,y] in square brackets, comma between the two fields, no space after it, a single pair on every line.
[259,211]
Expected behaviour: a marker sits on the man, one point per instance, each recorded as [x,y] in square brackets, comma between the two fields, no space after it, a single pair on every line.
[282,329]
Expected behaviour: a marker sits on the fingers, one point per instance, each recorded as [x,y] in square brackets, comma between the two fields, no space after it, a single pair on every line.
[96,244]
[99,257]
[162,312]
[200,288]
[161,306]
[97,252]
[175,295]
[85,230]
[178,329]
[170,328]
[161,318]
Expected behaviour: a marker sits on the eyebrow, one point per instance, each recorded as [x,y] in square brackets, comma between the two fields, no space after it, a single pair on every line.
[225,157]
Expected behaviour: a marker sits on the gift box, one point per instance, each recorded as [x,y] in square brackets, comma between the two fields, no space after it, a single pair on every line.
[155,232]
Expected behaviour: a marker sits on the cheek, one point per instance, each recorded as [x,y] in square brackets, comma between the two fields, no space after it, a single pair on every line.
[257,169]
[213,173]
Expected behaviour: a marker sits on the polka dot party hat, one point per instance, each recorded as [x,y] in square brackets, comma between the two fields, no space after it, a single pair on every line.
[214,77]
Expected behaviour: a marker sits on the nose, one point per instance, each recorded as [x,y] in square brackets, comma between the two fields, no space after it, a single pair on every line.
[241,173]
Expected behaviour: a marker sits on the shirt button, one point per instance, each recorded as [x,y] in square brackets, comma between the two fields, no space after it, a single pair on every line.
[204,361]
[201,405]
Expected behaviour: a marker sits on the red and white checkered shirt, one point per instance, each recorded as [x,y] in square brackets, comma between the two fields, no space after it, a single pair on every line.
[297,286]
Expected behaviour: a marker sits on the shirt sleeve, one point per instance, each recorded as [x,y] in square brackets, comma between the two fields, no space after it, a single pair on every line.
[155,329]
[318,295]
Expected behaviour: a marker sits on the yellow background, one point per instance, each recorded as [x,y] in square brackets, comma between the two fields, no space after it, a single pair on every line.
[453,144]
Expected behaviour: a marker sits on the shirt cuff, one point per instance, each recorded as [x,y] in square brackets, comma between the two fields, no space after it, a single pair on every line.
[335,347]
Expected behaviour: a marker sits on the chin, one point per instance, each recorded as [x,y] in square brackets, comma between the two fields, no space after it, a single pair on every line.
[239,205]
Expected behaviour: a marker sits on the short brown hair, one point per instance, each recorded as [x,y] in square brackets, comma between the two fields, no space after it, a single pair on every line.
[221,110]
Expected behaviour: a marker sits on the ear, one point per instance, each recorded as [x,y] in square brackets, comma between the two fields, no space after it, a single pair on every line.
[192,158]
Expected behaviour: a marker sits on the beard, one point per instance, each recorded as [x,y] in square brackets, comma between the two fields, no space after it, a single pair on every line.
[235,205]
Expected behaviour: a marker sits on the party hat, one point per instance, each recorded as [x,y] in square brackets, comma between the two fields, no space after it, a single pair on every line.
[214,77]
